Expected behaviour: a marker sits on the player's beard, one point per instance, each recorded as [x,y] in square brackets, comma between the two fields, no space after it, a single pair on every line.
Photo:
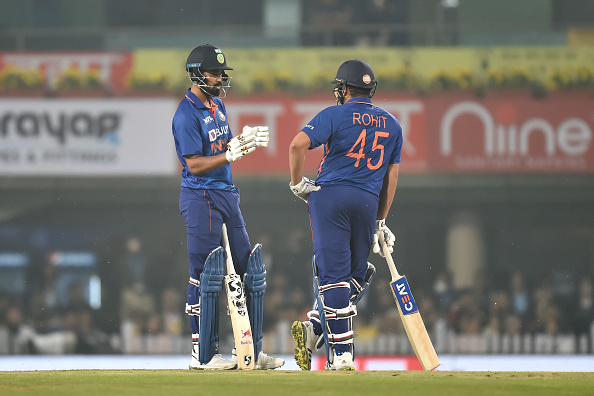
[214,90]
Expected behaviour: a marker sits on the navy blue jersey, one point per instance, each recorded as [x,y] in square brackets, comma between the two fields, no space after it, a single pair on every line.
[360,141]
[203,131]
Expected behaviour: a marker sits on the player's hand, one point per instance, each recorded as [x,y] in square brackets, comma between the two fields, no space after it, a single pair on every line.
[303,188]
[260,133]
[389,238]
[240,146]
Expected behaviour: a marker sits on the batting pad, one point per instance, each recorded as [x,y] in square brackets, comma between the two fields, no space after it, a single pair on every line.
[211,285]
[359,290]
[255,284]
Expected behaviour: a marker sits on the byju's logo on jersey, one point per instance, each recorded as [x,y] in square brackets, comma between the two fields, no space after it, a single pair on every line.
[215,133]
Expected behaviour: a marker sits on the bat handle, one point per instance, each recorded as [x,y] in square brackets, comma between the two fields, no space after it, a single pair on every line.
[393,271]
[229,261]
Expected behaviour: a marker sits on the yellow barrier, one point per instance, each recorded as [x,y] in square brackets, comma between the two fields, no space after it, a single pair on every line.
[264,69]
[580,37]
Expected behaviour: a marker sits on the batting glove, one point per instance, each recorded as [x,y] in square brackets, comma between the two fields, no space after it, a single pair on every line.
[303,188]
[260,133]
[381,227]
[240,146]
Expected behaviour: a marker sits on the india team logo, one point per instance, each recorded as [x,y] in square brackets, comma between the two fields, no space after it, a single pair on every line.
[222,116]
[366,79]
[220,56]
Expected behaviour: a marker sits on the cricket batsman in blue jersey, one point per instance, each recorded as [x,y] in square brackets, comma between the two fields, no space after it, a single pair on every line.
[348,205]
[206,147]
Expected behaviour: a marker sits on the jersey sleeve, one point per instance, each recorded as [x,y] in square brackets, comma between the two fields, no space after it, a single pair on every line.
[188,134]
[319,129]
[395,157]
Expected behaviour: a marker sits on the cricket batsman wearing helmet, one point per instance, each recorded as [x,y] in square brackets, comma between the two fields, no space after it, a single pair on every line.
[348,204]
[206,147]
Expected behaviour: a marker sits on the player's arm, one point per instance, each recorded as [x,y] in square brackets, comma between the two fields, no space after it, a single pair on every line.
[300,186]
[388,190]
[198,164]
[385,202]
[237,147]
[297,149]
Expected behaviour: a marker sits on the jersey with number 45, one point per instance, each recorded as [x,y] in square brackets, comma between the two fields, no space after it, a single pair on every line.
[359,139]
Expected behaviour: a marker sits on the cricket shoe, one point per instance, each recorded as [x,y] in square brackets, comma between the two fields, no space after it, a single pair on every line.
[305,343]
[343,362]
[218,362]
[266,362]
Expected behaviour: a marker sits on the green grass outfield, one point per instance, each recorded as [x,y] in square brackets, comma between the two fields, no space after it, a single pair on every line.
[278,382]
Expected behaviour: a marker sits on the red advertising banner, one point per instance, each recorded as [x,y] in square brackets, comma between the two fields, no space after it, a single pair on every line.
[375,363]
[113,67]
[511,134]
[286,115]
[447,133]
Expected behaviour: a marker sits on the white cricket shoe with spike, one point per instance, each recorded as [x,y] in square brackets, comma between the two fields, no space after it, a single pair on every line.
[342,362]
[305,343]
[266,362]
[218,362]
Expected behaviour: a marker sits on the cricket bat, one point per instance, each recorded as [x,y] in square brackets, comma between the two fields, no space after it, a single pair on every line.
[409,313]
[240,320]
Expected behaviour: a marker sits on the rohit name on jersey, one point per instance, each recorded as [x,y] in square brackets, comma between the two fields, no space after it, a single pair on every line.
[369,119]
[217,145]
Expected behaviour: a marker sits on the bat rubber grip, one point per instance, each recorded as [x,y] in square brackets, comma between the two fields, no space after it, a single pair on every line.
[393,271]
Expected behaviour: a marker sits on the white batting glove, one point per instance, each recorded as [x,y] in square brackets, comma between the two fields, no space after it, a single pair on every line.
[303,188]
[380,226]
[240,146]
[260,133]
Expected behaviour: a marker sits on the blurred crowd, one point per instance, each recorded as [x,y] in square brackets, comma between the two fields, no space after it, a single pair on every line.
[334,20]
[144,314]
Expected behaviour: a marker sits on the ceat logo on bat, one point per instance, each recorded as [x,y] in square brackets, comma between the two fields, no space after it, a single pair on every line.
[246,333]
[366,79]
[404,296]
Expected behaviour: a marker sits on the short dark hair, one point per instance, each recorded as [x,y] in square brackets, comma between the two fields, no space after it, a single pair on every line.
[357,92]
